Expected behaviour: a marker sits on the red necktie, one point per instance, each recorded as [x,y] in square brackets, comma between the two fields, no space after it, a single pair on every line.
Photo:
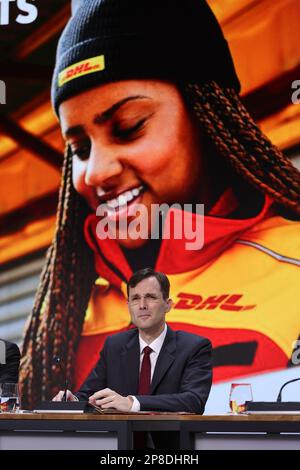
[145,375]
[140,438]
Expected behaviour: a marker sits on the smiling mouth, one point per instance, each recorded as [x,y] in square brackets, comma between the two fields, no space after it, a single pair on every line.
[124,204]
[125,198]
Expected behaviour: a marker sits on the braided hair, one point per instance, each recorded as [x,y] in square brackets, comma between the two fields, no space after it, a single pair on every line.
[56,321]
[237,138]
[62,297]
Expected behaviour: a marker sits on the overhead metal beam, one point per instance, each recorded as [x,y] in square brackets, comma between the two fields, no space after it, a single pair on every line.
[32,143]
[22,70]
[44,33]
[273,96]
[37,209]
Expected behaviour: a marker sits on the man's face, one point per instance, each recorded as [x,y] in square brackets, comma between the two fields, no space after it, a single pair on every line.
[147,306]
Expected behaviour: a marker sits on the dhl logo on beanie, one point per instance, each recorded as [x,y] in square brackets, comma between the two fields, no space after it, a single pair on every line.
[85,67]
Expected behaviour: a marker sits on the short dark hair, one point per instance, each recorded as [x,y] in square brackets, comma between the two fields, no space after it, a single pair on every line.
[142,274]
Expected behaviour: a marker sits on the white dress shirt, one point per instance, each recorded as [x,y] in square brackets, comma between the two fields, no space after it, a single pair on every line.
[156,346]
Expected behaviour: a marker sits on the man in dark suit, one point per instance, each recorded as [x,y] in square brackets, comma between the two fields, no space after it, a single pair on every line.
[9,362]
[151,367]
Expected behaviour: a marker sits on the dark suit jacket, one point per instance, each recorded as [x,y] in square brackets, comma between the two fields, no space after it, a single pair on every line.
[182,376]
[9,372]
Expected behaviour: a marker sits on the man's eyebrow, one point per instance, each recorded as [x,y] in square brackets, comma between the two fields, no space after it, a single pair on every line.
[147,294]
[108,113]
[104,116]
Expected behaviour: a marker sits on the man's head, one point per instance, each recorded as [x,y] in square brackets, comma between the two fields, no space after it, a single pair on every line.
[148,300]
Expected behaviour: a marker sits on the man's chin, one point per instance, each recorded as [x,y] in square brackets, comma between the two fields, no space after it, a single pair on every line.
[145,327]
[144,321]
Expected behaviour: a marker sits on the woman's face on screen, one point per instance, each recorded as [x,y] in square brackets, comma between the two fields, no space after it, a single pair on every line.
[133,142]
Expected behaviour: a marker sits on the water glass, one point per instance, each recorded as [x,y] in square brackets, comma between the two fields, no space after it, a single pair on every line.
[239,394]
[9,398]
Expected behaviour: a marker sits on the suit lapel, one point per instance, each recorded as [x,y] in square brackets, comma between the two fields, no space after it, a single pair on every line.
[165,359]
[130,362]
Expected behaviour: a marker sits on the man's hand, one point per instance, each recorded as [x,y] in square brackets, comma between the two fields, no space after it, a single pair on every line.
[107,398]
[59,396]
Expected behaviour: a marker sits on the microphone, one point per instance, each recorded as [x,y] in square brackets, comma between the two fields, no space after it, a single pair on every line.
[286,383]
[57,361]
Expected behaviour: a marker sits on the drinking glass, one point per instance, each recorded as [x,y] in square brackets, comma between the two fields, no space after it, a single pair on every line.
[9,398]
[239,394]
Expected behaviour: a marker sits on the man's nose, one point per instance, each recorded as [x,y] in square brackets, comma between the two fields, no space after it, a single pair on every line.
[102,165]
[143,304]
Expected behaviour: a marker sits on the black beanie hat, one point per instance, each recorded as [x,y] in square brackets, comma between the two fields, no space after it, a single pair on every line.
[110,40]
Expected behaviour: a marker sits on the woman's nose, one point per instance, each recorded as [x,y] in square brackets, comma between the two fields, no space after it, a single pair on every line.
[102,165]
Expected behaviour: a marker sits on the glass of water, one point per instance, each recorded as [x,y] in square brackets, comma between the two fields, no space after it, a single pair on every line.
[9,398]
[240,393]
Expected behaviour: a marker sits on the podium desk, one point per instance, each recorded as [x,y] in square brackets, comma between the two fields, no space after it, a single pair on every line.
[67,431]
[48,431]
[240,432]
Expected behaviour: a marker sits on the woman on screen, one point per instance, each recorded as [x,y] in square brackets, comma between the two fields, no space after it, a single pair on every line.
[148,101]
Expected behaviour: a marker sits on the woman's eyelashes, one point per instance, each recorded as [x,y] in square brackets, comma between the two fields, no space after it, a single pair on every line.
[128,132]
[119,131]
